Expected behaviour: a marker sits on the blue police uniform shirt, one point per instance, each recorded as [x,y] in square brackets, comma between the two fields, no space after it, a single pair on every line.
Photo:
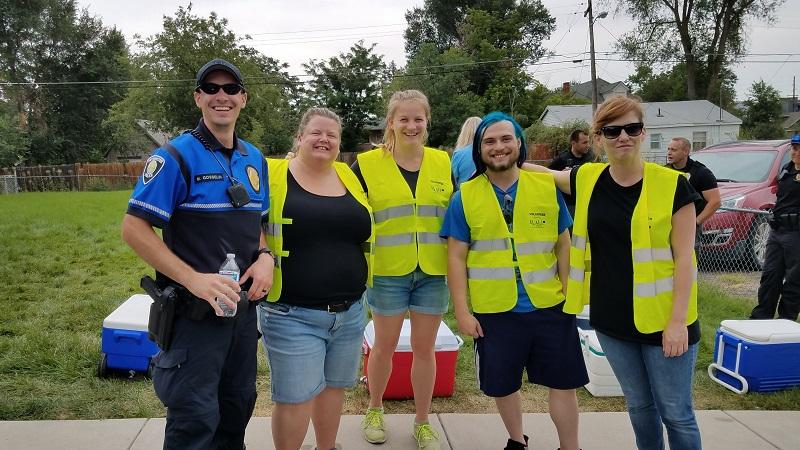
[184,192]
[462,164]
[455,226]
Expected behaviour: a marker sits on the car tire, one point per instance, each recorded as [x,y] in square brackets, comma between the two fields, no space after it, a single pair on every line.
[757,245]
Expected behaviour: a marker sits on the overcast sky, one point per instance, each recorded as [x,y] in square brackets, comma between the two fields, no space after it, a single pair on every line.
[296,31]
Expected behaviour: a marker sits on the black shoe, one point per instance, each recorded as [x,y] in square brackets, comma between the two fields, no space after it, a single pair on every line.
[514,445]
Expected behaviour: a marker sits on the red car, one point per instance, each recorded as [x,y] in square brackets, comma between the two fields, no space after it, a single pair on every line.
[746,172]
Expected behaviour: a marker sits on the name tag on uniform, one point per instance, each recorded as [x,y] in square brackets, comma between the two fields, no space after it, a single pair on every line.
[204,177]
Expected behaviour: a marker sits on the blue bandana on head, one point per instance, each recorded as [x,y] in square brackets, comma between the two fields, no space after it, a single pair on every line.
[489,120]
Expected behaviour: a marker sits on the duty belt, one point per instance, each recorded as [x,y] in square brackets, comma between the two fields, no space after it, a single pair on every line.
[785,222]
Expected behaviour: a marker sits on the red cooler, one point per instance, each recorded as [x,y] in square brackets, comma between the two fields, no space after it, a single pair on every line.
[399,386]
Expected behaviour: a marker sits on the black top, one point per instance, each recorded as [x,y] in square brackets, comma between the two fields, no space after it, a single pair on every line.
[410,177]
[326,257]
[701,178]
[566,160]
[788,200]
[611,292]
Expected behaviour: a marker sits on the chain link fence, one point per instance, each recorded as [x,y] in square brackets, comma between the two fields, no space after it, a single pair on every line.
[8,184]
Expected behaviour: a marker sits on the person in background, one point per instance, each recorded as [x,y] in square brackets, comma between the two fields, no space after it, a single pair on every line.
[320,229]
[780,280]
[409,187]
[462,165]
[508,252]
[577,154]
[638,219]
[207,378]
[700,177]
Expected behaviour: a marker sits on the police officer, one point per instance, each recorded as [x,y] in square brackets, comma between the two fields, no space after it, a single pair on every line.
[700,177]
[780,280]
[207,191]
[578,153]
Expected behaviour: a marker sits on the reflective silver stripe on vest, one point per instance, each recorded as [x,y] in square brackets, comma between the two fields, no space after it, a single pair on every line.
[430,238]
[394,239]
[576,274]
[490,273]
[653,289]
[539,276]
[393,213]
[430,211]
[532,248]
[579,242]
[643,255]
[488,245]
[274,229]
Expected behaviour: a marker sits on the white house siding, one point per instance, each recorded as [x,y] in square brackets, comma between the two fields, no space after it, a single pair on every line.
[714,135]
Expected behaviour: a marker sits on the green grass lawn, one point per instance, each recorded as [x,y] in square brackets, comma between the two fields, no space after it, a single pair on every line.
[63,268]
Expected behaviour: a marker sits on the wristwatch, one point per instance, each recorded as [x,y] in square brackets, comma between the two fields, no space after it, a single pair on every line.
[268,252]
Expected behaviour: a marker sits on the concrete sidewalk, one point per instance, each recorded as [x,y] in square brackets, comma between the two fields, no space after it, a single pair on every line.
[721,430]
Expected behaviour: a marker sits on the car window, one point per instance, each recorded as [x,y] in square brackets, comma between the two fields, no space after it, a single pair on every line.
[786,157]
[738,167]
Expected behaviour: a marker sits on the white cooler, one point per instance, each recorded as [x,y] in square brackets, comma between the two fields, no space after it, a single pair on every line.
[602,382]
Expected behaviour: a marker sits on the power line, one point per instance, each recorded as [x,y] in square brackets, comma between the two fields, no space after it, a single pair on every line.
[353,38]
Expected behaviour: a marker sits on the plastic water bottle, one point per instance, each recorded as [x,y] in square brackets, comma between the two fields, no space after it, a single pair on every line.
[229,269]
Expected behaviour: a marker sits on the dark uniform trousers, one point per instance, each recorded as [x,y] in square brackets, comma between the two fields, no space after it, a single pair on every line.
[780,280]
[207,381]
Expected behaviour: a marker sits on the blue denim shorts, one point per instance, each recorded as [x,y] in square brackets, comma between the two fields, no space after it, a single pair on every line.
[417,291]
[309,349]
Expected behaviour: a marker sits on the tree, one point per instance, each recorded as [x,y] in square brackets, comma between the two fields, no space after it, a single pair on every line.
[447,89]
[707,36]
[14,142]
[670,85]
[762,117]
[170,60]
[351,84]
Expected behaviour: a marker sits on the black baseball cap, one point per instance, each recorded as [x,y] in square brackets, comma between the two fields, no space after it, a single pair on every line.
[219,64]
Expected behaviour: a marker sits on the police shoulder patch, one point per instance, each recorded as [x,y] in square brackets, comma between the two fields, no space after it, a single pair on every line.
[152,168]
[255,180]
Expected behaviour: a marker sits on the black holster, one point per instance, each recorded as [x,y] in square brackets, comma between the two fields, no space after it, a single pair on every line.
[162,312]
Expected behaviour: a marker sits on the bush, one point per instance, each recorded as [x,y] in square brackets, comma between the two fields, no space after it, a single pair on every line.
[556,138]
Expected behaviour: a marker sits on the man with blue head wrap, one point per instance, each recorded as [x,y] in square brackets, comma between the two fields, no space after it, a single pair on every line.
[508,251]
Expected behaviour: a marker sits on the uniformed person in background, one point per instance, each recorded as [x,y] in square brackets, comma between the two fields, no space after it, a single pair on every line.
[780,279]
[578,154]
[208,191]
[700,177]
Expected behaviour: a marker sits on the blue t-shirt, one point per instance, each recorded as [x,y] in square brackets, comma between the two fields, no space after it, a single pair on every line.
[455,226]
[462,164]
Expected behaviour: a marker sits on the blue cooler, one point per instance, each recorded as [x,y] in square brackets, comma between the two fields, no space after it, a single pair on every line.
[125,344]
[757,355]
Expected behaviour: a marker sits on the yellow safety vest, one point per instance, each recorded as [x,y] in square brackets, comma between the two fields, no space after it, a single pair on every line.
[278,171]
[653,266]
[407,226]
[490,260]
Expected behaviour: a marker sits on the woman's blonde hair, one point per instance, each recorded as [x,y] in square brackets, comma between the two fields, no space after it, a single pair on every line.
[310,114]
[411,95]
[467,132]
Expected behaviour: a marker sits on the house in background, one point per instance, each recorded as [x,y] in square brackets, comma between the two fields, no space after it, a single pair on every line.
[700,121]
[145,139]
[605,90]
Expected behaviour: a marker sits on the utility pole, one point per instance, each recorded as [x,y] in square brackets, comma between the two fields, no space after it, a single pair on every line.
[590,14]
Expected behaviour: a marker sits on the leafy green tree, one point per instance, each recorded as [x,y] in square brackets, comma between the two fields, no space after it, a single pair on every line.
[670,85]
[707,36]
[351,84]
[762,117]
[170,59]
[14,141]
[447,89]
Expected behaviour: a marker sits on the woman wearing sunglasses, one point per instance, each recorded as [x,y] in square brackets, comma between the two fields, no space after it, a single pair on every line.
[638,218]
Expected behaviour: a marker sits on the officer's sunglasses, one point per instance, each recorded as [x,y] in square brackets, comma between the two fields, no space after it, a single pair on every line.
[213,88]
[613,131]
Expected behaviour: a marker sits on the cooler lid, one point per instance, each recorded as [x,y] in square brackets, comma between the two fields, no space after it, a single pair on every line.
[583,314]
[133,314]
[445,339]
[775,331]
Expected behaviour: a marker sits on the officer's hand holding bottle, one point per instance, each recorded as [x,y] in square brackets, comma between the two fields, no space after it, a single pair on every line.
[213,288]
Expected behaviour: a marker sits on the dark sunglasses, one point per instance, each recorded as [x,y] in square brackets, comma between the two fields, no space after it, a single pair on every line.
[508,210]
[613,131]
[213,88]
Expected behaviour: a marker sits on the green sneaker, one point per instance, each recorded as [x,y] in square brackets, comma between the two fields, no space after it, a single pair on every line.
[372,427]
[426,437]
